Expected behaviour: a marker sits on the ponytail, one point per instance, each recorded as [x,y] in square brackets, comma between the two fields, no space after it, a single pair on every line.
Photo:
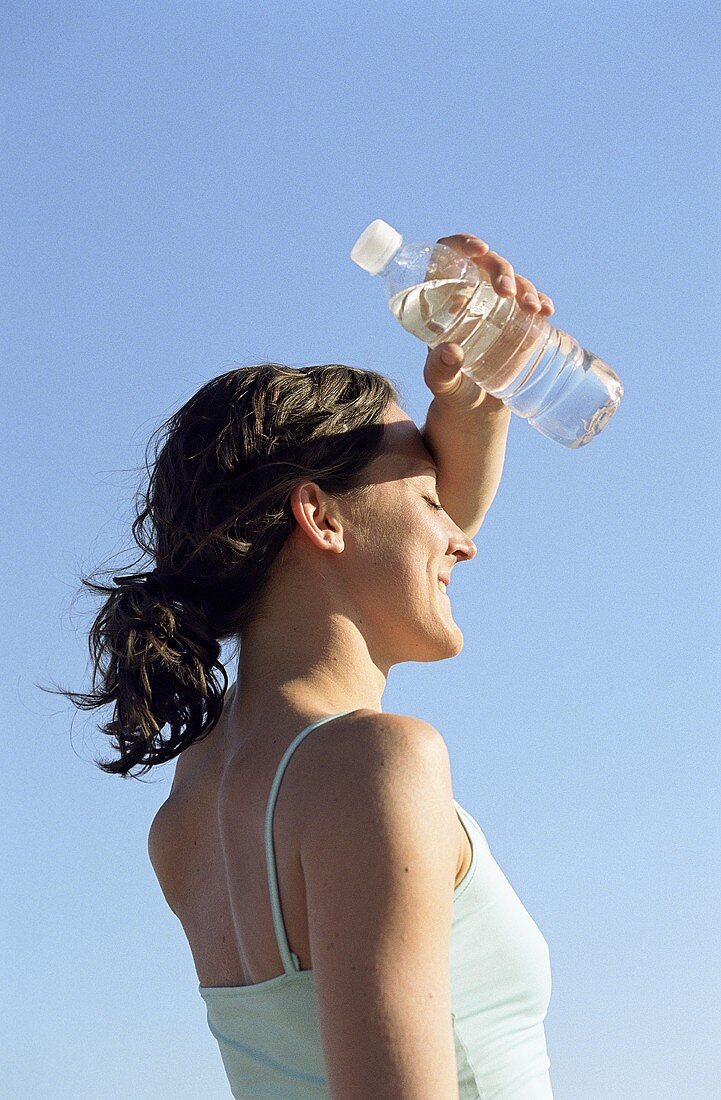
[158,662]
[216,518]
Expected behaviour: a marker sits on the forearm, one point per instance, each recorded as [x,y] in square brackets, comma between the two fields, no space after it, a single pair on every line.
[469,449]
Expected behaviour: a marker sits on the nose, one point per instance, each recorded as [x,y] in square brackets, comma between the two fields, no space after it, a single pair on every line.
[463,545]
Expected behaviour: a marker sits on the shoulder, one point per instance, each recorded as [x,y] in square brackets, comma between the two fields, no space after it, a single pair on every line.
[370,729]
[364,742]
[387,761]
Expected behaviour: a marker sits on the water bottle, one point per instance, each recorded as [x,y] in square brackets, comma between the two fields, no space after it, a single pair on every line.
[540,372]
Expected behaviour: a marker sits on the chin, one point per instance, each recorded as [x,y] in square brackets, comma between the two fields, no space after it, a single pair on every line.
[426,639]
[454,640]
[443,647]
[456,645]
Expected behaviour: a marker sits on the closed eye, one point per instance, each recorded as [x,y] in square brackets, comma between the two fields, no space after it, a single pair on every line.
[438,507]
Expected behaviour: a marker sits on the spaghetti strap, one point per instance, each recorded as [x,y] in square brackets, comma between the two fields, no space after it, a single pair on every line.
[291,962]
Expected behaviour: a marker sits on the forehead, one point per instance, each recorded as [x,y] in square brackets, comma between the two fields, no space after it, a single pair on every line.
[405,452]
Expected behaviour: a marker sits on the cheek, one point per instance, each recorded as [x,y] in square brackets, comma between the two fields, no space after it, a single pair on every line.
[405,570]
[389,570]
[395,549]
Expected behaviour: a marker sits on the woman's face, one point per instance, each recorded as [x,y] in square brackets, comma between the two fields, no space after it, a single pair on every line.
[398,548]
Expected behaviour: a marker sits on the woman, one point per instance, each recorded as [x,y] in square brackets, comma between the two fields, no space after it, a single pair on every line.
[352,935]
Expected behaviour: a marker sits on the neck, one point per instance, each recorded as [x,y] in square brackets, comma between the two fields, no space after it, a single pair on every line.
[321,669]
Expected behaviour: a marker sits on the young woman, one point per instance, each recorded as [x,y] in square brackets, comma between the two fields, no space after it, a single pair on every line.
[352,934]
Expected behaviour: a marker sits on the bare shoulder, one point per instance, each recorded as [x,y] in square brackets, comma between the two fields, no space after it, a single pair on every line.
[378,764]
[367,731]
[368,746]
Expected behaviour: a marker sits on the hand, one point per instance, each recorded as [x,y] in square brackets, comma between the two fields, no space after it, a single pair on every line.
[446,381]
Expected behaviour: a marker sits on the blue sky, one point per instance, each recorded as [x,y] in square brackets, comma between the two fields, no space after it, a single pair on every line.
[180,189]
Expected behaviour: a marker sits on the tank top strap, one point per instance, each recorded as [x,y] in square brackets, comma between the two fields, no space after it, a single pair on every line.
[291,961]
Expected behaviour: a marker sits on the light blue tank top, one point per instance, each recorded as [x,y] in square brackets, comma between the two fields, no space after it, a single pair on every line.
[500,989]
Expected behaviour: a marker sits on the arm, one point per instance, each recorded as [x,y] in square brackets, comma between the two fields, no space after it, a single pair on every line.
[380,851]
[466,428]
[469,449]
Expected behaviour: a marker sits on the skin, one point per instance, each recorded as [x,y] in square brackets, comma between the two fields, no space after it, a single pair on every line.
[454,391]
[357,592]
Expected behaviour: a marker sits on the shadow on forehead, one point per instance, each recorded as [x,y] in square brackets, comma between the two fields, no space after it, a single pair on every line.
[405,453]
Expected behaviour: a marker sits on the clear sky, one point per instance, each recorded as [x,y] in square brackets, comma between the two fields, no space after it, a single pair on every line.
[180,188]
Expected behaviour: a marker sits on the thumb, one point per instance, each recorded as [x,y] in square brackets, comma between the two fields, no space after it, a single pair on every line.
[443,367]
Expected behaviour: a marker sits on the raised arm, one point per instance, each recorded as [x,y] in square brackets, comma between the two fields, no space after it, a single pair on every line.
[466,428]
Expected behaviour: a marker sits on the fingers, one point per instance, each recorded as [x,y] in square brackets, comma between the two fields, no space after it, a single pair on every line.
[465,243]
[502,274]
[497,268]
[527,295]
[461,244]
[489,262]
[531,299]
[451,355]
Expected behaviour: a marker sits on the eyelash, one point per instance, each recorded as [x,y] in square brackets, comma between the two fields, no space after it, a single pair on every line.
[438,507]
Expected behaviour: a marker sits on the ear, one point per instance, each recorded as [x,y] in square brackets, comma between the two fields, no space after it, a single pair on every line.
[317,516]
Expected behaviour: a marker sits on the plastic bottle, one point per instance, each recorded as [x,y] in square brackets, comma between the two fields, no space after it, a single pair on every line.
[540,372]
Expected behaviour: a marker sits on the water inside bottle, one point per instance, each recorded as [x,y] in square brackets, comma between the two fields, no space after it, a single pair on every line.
[432,310]
[471,314]
[541,373]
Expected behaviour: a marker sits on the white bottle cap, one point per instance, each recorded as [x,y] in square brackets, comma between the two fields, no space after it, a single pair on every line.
[377,244]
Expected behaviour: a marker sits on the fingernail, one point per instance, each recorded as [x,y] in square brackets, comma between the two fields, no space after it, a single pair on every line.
[448,357]
[507,283]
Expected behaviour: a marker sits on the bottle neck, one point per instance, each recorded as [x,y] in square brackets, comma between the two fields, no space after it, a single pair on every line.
[407,267]
[418,262]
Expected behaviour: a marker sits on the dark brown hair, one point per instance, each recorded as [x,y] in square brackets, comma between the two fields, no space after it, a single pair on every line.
[214,518]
